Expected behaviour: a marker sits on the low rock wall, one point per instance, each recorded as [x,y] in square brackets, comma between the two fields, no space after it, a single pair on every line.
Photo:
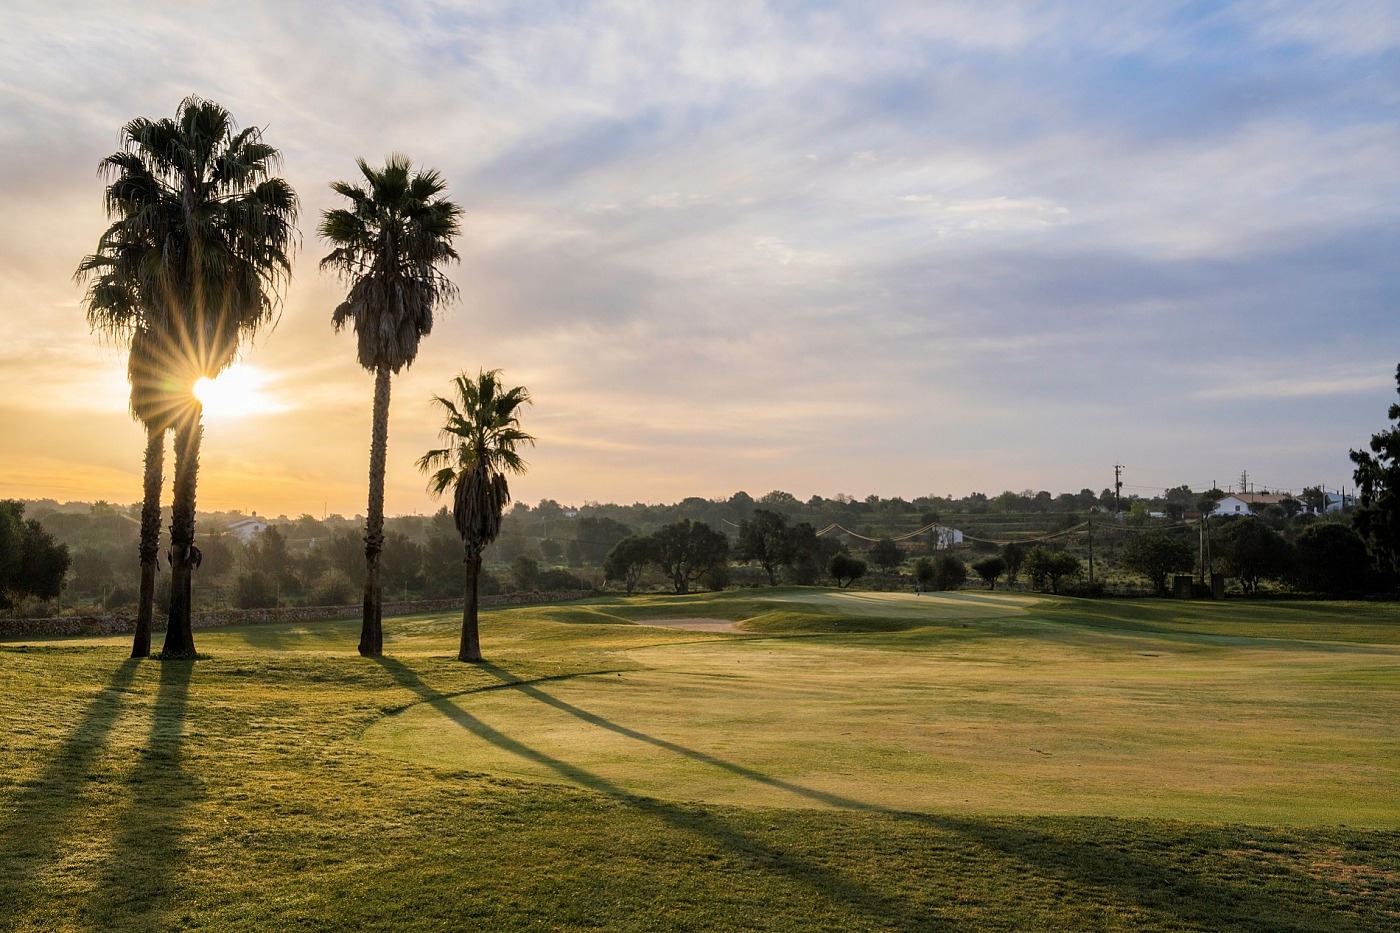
[214,618]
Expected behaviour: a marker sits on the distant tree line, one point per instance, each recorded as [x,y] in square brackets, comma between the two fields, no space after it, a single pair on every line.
[698,541]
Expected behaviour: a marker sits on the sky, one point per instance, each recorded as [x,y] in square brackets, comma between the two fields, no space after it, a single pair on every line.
[894,248]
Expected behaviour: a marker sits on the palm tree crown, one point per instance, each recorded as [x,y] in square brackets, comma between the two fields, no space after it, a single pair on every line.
[201,239]
[388,245]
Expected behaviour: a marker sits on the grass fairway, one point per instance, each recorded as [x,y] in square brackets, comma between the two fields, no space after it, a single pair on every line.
[843,762]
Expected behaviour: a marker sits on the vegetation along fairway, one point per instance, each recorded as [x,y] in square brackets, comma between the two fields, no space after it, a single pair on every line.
[841,761]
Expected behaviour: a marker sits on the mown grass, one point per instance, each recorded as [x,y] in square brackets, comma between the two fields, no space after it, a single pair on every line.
[285,782]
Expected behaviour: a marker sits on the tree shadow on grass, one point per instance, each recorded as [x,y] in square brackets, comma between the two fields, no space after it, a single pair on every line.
[754,852]
[1090,853]
[142,873]
[34,832]
[532,690]
[1103,855]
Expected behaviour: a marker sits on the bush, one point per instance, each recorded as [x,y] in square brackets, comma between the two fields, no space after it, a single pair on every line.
[949,572]
[989,569]
[941,572]
[333,588]
[844,567]
[526,574]
[255,590]
[120,598]
[558,581]
[1157,554]
[1251,551]
[1332,559]
[716,579]
[1046,568]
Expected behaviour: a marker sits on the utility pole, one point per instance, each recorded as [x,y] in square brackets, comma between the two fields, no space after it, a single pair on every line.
[1117,487]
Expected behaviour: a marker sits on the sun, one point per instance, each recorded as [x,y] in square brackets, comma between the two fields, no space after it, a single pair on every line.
[237,392]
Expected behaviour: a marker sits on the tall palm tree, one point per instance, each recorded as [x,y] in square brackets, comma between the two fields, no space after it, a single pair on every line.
[388,246]
[480,436]
[155,403]
[199,247]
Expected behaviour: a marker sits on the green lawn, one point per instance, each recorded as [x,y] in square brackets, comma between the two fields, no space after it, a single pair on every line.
[846,761]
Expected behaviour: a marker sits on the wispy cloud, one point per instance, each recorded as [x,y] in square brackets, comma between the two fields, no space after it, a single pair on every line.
[1355,380]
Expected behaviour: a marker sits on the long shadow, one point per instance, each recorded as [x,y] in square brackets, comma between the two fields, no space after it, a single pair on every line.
[34,831]
[534,692]
[1151,882]
[1155,883]
[757,854]
[141,876]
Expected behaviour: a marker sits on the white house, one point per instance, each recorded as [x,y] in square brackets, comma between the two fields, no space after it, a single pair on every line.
[246,528]
[1240,503]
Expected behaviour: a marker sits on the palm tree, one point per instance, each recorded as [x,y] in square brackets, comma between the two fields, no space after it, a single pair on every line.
[481,435]
[198,249]
[388,247]
[154,403]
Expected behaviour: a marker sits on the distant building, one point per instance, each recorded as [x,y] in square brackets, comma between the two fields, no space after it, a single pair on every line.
[246,528]
[946,537]
[1241,503]
[1337,501]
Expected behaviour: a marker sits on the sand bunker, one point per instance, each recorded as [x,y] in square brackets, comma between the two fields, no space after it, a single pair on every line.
[693,625]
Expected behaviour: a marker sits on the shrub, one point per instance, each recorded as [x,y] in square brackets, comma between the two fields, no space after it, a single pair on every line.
[845,569]
[949,572]
[1332,559]
[120,598]
[255,590]
[1157,555]
[333,588]
[989,569]
[1046,568]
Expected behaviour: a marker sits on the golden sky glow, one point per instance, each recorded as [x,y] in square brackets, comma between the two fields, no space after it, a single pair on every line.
[238,392]
[901,249]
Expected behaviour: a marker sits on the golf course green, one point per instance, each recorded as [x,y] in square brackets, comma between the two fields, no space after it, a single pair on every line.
[832,760]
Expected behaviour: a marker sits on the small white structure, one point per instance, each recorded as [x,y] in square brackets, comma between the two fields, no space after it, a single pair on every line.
[946,537]
[1240,503]
[1336,501]
[246,528]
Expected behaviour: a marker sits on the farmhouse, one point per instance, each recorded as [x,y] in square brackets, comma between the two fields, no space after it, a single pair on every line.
[1240,503]
[246,528]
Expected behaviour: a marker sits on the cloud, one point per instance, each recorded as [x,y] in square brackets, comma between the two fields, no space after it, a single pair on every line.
[1355,380]
[894,248]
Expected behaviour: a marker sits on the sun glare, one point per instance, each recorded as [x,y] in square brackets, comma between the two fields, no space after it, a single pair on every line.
[239,391]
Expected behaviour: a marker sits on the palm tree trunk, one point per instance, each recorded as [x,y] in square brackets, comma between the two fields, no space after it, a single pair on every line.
[149,548]
[470,649]
[184,556]
[372,623]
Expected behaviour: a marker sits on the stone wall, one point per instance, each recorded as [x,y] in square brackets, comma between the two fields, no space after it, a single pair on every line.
[123,624]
